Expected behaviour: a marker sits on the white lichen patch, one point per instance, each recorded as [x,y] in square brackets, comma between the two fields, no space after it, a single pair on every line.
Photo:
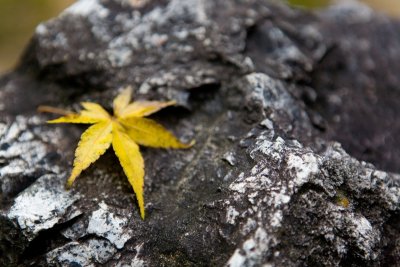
[363,226]
[29,151]
[135,261]
[260,169]
[41,206]
[237,259]
[13,168]
[3,128]
[276,219]
[252,250]
[249,226]
[238,187]
[364,235]
[267,123]
[279,198]
[105,224]
[23,152]
[71,253]
[250,184]
[101,250]
[231,215]
[273,149]
[15,129]
[190,8]
[85,8]
[75,231]
[140,30]
[88,253]
[155,40]
[41,29]
[269,91]
[119,57]
[267,191]
[281,167]
[304,166]
[230,158]
[273,97]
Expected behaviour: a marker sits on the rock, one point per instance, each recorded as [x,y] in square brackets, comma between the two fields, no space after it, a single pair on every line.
[286,107]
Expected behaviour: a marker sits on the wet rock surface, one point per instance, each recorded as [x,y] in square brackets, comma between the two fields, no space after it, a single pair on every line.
[294,116]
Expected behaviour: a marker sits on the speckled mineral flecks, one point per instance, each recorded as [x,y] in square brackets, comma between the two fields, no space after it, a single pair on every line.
[296,152]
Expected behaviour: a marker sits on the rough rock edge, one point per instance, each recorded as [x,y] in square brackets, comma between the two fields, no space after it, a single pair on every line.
[329,176]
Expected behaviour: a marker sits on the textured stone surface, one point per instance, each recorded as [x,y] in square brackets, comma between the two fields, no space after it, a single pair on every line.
[284,105]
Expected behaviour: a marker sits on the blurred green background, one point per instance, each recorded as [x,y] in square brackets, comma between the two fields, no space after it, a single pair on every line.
[390,7]
[18,19]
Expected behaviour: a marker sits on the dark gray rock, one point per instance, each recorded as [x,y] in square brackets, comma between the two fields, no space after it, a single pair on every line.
[267,92]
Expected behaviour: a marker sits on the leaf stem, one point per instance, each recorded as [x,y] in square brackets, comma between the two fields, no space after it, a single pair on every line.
[49,109]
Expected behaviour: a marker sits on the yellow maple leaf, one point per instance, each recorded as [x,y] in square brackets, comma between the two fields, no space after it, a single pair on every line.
[124,130]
